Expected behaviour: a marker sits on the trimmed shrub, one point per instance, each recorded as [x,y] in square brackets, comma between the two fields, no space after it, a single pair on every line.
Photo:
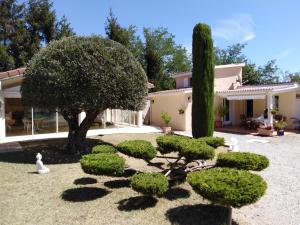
[227,186]
[213,141]
[138,149]
[193,149]
[149,183]
[103,149]
[203,82]
[243,160]
[103,164]
[170,143]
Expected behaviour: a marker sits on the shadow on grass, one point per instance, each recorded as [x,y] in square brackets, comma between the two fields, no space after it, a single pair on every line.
[52,150]
[129,173]
[85,181]
[200,214]
[122,183]
[137,203]
[176,193]
[83,194]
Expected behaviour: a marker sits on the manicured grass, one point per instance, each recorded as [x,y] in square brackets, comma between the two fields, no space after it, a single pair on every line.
[68,196]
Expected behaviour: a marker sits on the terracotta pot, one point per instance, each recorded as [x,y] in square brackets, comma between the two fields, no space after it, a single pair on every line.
[218,124]
[167,130]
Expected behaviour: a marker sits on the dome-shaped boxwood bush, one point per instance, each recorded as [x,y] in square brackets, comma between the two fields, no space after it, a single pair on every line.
[243,160]
[228,187]
[170,143]
[103,149]
[138,149]
[149,183]
[103,164]
[213,141]
[194,149]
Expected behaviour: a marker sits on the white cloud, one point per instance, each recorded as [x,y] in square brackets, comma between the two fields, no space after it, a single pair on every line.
[239,28]
[283,54]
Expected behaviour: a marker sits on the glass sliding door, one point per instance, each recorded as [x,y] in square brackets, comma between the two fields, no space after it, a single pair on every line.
[44,121]
[17,118]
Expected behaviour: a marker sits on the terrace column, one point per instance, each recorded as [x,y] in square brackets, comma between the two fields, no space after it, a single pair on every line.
[2,116]
[140,118]
[270,107]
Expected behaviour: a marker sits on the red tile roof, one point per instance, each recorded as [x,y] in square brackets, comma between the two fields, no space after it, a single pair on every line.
[12,73]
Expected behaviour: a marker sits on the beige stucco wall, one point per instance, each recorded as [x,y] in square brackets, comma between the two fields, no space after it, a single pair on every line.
[287,104]
[224,78]
[170,104]
[259,105]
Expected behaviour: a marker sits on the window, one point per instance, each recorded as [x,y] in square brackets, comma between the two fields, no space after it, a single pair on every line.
[276,102]
[249,108]
[185,83]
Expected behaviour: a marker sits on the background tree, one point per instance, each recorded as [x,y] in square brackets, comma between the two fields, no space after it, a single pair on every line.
[159,55]
[203,82]
[252,74]
[6,61]
[87,74]
[26,27]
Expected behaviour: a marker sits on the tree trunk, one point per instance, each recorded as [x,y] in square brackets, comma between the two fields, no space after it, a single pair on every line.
[77,132]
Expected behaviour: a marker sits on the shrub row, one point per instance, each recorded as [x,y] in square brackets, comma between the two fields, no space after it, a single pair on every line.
[243,160]
[138,148]
[103,164]
[170,143]
[214,142]
[103,149]
[149,183]
[228,186]
[195,149]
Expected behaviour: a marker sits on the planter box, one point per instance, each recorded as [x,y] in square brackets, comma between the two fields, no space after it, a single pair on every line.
[167,130]
[265,132]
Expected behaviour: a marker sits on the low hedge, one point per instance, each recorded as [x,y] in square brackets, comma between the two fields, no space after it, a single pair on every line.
[170,143]
[103,149]
[228,186]
[243,160]
[213,141]
[149,183]
[194,149]
[103,164]
[138,149]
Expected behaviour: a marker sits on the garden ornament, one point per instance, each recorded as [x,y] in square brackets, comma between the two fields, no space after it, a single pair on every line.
[40,166]
[233,146]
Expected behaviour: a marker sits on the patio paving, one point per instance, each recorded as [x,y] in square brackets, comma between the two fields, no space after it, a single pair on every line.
[281,204]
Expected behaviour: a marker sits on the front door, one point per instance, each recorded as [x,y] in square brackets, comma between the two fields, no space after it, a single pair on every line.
[249,108]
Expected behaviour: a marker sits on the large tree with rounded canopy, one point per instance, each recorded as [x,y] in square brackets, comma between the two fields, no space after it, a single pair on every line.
[83,74]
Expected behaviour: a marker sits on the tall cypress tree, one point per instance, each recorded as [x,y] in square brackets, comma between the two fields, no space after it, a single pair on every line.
[203,82]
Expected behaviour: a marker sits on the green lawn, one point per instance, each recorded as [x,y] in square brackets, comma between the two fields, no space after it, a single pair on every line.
[68,196]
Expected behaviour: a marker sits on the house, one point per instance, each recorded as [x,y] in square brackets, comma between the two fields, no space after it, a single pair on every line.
[247,100]
[17,120]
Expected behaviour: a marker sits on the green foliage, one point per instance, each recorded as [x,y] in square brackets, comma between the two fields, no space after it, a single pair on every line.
[6,61]
[149,183]
[103,164]
[169,143]
[243,160]
[166,118]
[138,148]
[193,149]
[214,142]
[26,27]
[203,82]
[103,149]
[221,111]
[280,124]
[84,73]
[228,187]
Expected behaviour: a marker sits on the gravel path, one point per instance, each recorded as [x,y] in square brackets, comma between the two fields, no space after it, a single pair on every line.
[281,204]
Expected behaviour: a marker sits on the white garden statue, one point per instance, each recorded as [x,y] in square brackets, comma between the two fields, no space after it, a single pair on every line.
[40,166]
[233,146]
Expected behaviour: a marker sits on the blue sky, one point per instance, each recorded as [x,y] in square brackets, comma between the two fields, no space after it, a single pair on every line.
[270,27]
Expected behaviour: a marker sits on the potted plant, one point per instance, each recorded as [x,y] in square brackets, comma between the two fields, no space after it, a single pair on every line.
[274,111]
[167,119]
[280,125]
[221,111]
